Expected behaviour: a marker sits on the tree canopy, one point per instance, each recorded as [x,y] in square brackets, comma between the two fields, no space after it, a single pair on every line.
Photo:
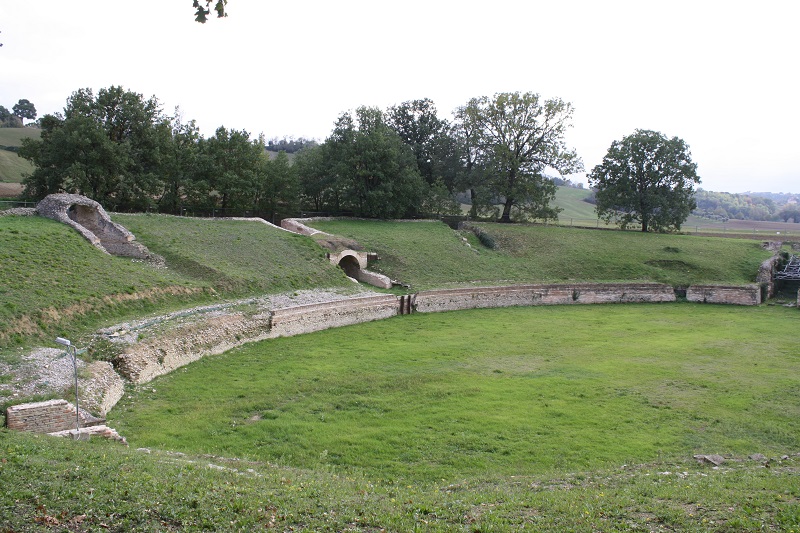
[514,139]
[646,178]
[25,109]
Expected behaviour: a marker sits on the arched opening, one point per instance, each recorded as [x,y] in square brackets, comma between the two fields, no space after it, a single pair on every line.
[350,266]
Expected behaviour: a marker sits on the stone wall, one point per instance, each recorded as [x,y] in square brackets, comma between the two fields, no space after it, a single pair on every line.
[723,294]
[579,293]
[103,389]
[315,317]
[186,343]
[47,417]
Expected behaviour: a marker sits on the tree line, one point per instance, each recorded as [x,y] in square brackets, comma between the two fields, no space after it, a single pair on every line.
[505,153]
[724,206]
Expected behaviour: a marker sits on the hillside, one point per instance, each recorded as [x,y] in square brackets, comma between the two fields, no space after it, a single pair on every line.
[55,282]
[12,167]
[428,254]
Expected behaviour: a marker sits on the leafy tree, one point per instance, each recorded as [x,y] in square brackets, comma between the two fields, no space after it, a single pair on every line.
[8,120]
[106,147]
[318,184]
[278,192]
[180,153]
[229,168]
[790,211]
[421,129]
[646,178]
[374,170]
[25,109]
[516,138]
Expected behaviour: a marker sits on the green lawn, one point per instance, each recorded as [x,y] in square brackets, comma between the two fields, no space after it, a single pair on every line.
[429,254]
[488,394]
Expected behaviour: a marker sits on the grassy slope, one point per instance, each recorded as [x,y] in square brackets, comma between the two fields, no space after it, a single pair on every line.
[449,428]
[430,254]
[236,257]
[55,281]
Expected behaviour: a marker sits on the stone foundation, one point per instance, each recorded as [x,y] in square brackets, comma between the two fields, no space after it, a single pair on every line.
[722,294]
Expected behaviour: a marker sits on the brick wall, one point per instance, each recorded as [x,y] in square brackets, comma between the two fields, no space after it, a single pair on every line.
[723,294]
[579,293]
[46,417]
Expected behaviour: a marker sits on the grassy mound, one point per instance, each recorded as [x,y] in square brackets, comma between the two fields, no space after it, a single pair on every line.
[236,257]
[54,281]
[429,254]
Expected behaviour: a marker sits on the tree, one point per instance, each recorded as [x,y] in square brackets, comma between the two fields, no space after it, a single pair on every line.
[8,120]
[106,147]
[646,178]
[790,211]
[25,109]
[374,170]
[427,135]
[517,137]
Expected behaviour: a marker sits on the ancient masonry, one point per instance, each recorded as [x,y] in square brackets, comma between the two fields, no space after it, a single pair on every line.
[152,357]
[89,219]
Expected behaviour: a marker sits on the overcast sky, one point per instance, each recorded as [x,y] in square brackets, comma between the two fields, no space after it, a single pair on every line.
[722,75]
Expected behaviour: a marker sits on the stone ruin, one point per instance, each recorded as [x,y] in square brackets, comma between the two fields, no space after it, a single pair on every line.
[89,219]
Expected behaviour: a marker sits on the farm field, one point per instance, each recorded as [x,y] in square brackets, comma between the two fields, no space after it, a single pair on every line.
[12,167]
[429,254]
[486,420]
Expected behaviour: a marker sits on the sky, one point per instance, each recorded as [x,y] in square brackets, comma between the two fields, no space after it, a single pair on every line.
[721,75]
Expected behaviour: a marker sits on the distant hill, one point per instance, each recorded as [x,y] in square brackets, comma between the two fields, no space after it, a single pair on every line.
[12,167]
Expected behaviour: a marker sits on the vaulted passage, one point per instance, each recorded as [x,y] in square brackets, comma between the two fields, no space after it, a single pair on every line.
[350,266]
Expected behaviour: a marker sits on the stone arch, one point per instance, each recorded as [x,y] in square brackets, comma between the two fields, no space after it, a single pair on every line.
[351,266]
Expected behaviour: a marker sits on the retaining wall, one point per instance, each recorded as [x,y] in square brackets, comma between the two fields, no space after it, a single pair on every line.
[722,294]
[579,293]
[315,317]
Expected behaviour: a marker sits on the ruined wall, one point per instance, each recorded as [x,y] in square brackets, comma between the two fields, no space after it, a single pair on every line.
[374,279]
[184,344]
[315,317]
[47,417]
[100,392]
[579,293]
[723,294]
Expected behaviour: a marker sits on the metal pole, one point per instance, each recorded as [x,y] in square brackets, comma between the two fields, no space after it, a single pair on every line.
[75,370]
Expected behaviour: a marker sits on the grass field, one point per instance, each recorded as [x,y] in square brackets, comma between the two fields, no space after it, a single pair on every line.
[427,254]
[486,420]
